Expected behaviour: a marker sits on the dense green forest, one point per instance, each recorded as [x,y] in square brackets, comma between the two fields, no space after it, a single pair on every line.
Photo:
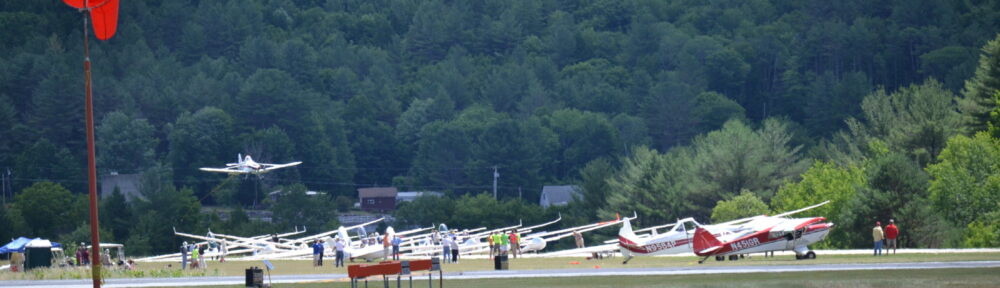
[710,109]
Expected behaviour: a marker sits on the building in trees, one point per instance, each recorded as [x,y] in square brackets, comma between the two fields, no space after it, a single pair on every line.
[559,195]
[127,184]
[378,199]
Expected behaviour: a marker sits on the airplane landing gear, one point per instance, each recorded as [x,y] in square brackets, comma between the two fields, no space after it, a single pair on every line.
[811,255]
[706,257]
[626,260]
[720,258]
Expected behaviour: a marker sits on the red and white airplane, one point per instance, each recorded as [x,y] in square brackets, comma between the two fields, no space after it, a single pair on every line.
[246,165]
[682,237]
[784,234]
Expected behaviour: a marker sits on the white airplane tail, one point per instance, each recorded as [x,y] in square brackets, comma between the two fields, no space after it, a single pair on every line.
[342,233]
[239,158]
[626,231]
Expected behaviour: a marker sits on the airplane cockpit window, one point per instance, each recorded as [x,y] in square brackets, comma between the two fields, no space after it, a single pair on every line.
[690,225]
[443,227]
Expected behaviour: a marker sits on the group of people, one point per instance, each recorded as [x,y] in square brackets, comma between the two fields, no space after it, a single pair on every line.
[82,258]
[197,252]
[502,242]
[889,235]
[319,248]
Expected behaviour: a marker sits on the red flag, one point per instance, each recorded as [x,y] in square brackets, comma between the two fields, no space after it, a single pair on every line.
[104,14]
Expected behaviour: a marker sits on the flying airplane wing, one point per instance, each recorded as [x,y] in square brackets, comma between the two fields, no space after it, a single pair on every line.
[221,170]
[269,167]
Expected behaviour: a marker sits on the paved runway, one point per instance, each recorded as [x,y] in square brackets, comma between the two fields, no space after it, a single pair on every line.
[706,269]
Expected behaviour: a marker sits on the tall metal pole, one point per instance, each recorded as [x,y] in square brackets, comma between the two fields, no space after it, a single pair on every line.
[95,238]
[496,175]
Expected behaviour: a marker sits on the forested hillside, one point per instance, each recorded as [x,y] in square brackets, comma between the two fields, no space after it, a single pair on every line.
[665,108]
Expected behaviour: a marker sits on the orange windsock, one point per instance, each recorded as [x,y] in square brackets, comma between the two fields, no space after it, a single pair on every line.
[104,14]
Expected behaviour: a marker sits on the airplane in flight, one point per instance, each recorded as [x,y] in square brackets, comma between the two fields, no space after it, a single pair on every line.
[680,239]
[246,165]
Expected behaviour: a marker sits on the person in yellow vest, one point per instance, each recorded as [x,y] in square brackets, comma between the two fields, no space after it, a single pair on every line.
[493,249]
[503,240]
[497,243]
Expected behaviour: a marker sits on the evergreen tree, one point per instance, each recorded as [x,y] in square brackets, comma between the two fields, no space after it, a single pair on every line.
[978,98]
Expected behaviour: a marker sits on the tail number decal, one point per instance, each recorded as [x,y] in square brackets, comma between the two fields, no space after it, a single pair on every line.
[745,243]
[660,246]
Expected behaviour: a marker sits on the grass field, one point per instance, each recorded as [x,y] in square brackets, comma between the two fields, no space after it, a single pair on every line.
[291,267]
[973,277]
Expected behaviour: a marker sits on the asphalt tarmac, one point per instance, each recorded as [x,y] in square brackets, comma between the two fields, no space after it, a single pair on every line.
[706,269]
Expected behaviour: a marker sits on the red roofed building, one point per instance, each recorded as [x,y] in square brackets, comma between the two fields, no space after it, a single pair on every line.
[377,199]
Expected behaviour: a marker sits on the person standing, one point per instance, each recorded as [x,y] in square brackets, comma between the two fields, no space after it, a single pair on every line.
[878,235]
[225,250]
[194,257]
[201,256]
[316,249]
[86,255]
[395,246]
[454,249]
[79,254]
[339,262]
[322,251]
[578,238]
[446,247]
[515,246]
[386,246]
[504,240]
[493,249]
[184,255]
[891,232]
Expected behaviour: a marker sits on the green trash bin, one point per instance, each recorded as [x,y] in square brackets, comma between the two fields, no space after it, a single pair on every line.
[35,257]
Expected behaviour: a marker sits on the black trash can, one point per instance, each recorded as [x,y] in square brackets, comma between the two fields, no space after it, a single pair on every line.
[254,277]
[500,262]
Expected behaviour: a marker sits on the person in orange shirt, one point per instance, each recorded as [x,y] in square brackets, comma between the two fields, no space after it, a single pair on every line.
[515,246]
[891,232]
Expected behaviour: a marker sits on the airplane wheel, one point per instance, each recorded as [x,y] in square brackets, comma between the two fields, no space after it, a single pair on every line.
[810,255]
[734,257]
[798,257]
[720,258]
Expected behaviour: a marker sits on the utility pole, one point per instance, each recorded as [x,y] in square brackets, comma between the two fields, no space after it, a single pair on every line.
[4,177]
[496,175]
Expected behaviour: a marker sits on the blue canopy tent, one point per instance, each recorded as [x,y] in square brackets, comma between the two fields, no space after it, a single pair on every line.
[18,245]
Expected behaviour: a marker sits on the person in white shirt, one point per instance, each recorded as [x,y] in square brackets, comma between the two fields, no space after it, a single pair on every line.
[339,262]
[454,249]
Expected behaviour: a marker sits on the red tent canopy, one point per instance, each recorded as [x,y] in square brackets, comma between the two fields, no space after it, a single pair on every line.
[104,14]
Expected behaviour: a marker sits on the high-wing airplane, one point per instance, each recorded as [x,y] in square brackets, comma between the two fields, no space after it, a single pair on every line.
[785,234]
[246,165]
[675,241]
[680,239]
